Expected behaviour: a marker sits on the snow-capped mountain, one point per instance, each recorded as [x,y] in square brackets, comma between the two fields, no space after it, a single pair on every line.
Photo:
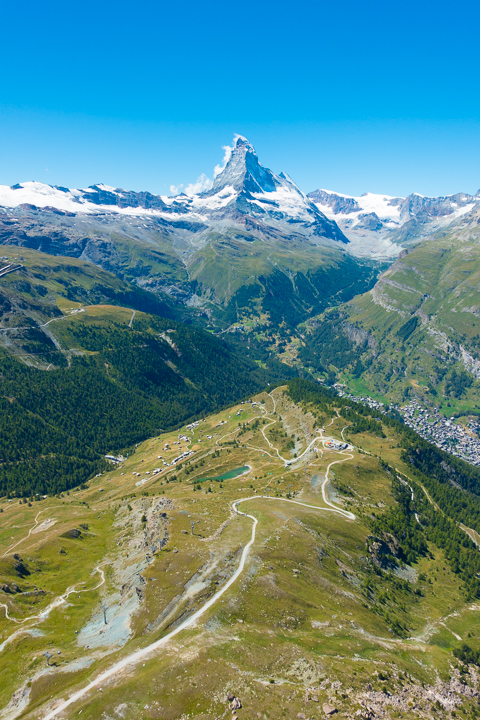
[380,225]
[248,188]
[244,193]
[254,234]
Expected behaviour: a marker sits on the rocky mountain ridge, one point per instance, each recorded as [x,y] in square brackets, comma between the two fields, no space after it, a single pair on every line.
[244,189]
[382,225]
[218,251]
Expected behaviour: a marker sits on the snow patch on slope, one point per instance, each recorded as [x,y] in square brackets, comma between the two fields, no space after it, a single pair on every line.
[385,207]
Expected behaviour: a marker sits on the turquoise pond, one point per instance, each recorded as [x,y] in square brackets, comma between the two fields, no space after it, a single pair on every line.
[236,472]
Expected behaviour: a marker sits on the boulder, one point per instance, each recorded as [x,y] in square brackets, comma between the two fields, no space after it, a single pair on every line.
[72,534]
[329,709]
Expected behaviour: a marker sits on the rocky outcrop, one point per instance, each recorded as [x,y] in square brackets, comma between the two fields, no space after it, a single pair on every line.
[358,335]
[369,221]
[383,550]
[340,204]
[328,709]
[72,534]
[11,589]
[19,566]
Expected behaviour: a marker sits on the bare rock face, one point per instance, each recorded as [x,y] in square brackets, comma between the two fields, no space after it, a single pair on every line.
[369,221]
[358,335]
[383,549]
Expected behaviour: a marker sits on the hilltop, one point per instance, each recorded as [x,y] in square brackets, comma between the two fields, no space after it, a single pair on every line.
[358,592]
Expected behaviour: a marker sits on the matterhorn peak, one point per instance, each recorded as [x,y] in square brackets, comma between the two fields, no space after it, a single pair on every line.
[243,172]
[242,144]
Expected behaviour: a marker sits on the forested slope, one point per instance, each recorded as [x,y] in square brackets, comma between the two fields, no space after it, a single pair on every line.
[79,379]
[417,331]
[438,495]
[123,384]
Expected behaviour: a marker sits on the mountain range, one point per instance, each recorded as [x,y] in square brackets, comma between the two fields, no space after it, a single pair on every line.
[254,235]
[381,225]
[257,258]
[245,197]
[164,360]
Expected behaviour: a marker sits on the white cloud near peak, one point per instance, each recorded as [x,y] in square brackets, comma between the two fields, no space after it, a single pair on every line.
[227,154]
[203,183]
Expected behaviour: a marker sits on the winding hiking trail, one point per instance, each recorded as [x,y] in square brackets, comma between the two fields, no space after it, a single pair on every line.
[58,600]
[43,614]
[37,523]
[143,653]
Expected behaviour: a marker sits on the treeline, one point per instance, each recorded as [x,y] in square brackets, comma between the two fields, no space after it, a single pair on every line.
[291,300]
[400,521]
[56,426]
[323,398]
[137,299]
[414,522]
[329,345]
[408,328]
[47,475]
[457,382]
[452,483]
[467,655]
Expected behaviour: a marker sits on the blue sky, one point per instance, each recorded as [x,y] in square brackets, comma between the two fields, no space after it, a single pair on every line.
[351,96]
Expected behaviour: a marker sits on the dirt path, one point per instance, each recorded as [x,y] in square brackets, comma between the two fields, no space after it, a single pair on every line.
[58,601]
[293,461]
[189,622]
[43,614]
[12,547]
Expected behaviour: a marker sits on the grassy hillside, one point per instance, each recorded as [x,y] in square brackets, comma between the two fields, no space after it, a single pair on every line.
[375,615]
[417,331]
[81,379]
[237,276]
[122,383]
[220,274]
[44,288]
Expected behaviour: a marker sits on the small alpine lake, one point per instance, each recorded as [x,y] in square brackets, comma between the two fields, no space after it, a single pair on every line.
[236,472]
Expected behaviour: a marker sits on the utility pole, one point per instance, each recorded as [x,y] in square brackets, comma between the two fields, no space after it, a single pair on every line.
[289,493]
[192,524]
[48,656]
[104,608]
